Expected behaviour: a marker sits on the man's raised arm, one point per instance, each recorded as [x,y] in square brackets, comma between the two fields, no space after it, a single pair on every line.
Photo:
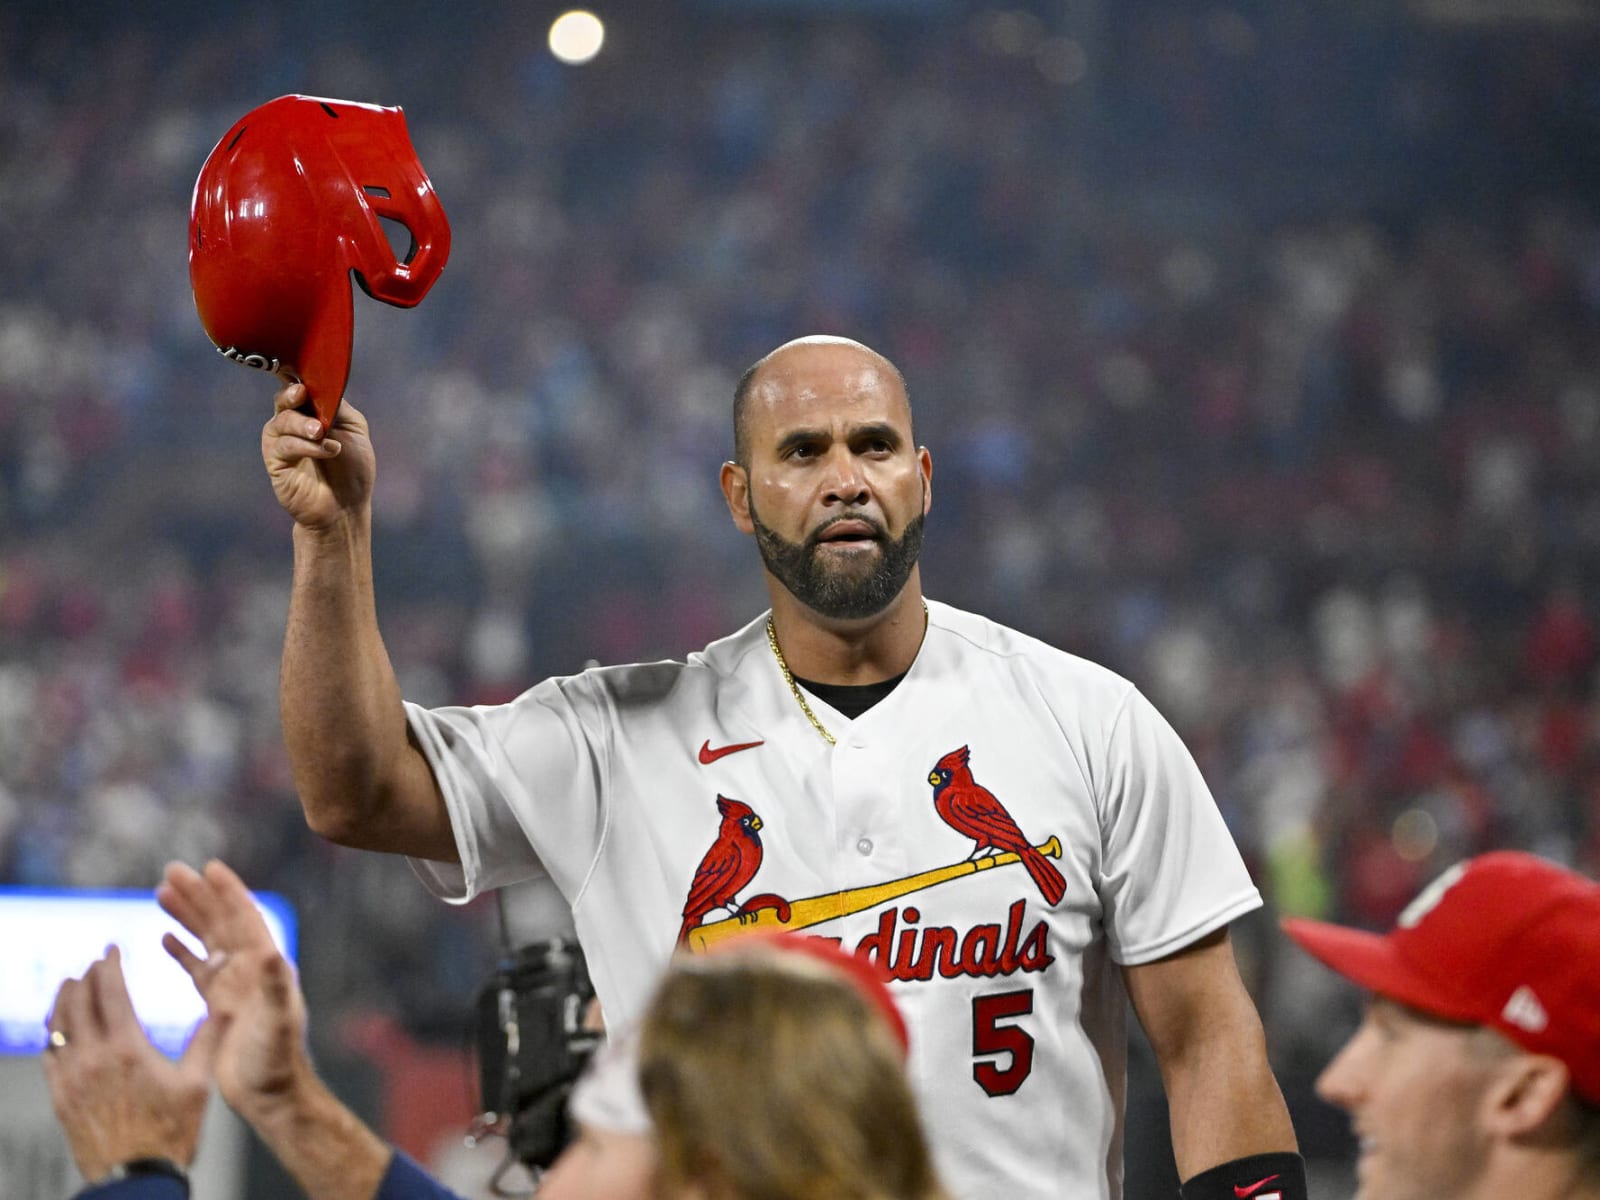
[360,779]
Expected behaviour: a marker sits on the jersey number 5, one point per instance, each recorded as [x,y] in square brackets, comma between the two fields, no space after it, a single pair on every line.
[990,1037]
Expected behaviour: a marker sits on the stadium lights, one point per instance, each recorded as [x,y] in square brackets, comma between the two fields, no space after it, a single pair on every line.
[576,37]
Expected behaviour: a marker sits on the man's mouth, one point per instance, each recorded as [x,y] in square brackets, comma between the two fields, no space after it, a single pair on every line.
[847,531]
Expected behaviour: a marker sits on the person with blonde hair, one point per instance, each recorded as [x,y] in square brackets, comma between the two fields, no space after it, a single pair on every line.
[766,1079]
[773,1069]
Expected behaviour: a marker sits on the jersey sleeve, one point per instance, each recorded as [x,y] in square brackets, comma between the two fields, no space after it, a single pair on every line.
[140,1187]
[522,783]
[1170,871]
[405,1180]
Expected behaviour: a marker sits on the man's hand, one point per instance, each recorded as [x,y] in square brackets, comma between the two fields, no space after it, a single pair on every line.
[318,481]
[261,1065]
[116,1096]
[249,987]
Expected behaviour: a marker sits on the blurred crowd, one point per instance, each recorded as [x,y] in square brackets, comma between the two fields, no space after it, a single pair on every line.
[1322,478]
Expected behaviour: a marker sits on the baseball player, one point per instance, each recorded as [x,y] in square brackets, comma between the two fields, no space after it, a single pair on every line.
[1013,835]
[1476,1070]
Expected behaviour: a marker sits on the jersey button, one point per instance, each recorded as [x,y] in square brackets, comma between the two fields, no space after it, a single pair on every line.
[864,845]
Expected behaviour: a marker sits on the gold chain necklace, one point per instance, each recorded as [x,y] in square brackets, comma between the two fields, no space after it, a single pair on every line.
[794,688]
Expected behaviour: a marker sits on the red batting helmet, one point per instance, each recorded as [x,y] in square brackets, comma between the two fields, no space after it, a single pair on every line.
[286,205]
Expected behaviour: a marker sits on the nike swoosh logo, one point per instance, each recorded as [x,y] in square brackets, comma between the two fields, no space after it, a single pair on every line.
[709,756]
[1242,1192]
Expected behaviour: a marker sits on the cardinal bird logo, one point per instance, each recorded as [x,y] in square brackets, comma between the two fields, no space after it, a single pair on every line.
[970,808]
[730,864]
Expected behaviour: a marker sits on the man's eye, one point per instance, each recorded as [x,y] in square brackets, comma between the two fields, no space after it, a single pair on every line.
[1383,1024]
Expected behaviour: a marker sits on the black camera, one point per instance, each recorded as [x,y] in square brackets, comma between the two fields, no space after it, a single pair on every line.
[532,1045]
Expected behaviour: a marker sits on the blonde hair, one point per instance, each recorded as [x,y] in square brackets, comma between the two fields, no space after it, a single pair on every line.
[771,1076]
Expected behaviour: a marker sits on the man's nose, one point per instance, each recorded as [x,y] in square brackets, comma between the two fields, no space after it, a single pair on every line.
[847,483]
[1339,1083]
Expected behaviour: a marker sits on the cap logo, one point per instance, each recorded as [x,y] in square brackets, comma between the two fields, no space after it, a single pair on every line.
[259,362]
[1428,898]
[1524,1011]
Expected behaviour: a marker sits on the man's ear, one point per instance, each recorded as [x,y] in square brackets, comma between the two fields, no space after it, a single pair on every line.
[1526,1090]
[735,482]
[925,465]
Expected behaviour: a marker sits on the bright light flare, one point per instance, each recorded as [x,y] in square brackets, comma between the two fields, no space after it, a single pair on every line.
[576,36]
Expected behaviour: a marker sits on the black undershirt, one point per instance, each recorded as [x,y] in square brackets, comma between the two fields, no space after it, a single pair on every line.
[852,699]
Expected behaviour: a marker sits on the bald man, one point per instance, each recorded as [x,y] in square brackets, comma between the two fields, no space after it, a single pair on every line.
[1014,836]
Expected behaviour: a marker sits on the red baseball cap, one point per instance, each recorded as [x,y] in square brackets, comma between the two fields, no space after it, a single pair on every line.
[287,208]
[1507,939]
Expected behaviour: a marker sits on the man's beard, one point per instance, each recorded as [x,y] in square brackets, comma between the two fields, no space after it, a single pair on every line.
[841,591]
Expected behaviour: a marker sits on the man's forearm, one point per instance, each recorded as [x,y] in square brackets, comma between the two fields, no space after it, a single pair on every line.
[1224,1102]
[329,1152]
[343,723]
[1221,1095]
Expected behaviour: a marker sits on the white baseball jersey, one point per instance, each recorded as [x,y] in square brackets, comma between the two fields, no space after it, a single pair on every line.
[610,782]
